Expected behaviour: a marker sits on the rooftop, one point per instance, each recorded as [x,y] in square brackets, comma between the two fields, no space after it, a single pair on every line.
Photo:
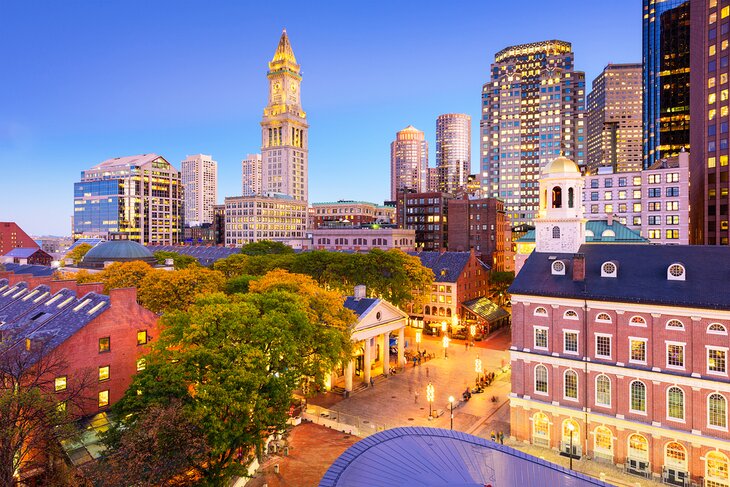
[599,231]
[360,306]
[23,252]
[446,266]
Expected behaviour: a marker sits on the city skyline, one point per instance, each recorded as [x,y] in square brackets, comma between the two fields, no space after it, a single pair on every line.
[137,96]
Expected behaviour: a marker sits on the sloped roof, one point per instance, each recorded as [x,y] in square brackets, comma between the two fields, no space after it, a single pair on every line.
[360,306]
[137,160]
[23,252]
[35,270]
[433,457]
[594,233]
[205,255]
[446,266]
[486,309]
[641,275]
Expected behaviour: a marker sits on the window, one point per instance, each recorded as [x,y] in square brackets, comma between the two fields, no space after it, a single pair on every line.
[541,426]
[104,344]
[675,355]
[638,350]
[608,269]
[541,379]
[541,337]
[141,364]
[604,317]
[603,346]
[570,342]
[675,403]
[717,360]
[540,311]
[603,390]
[603,438]
[638,397]
[103,398]
[675,325]
[570,390]
[716,469]
[675,453]
[103,373]
[638,447]
[558,267]
[141,337]
[716,329]
[60,383]
[637,321]
[717,410]
[570,315]
[556,232]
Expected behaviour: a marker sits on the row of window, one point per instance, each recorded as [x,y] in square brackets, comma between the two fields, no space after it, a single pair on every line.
[675,397]
[672,324]
[105,342]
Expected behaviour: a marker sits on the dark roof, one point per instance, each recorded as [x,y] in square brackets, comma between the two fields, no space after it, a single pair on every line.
[446,266]
[360,306]
[438,457]
[118,249]
[90,241]
[641,276]
[35,270]
[486,309]
[595,233]
[205,255]
[23,252]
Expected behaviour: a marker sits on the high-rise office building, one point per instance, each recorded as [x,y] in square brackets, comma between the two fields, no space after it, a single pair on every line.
[666,54]
[453,151]
[200,183]
[284,137]
[251,172]
[614,119]
[709,121]
[532,111]
[140,196]
[432,180]
[408,162]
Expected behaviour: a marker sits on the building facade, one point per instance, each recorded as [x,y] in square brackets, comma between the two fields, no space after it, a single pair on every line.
[666,78]
[284,128]
[251,174]
[479,224]
[532,111]
[709,122]
[453,151]
[250,219]
[614,119]
[12,237]
[427,214]
[432,184]
[408,162]
[200,185]
[354,212]
[140,196]
[362,238]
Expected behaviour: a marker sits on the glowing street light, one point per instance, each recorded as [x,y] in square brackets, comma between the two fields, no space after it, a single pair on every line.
[571,428]
[429,398]
[478,367]
[443,327]
[451,404]
[418,341]
[473,331]
[446,346]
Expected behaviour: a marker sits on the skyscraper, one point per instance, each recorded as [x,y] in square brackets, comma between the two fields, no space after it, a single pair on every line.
[453,151]
[408,162]
[140,196]
[532,111]
[251,172]
[614,119]
[200,181]
[666,33]
[284,138]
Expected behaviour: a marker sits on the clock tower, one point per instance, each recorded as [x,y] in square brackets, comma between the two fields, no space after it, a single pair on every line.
[284,137]
[560,226]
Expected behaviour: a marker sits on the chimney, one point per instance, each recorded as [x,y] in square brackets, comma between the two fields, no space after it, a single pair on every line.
[359,292]
[610,219]
[579,267]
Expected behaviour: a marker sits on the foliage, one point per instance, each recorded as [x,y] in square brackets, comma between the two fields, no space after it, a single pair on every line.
[234,361]
[239,284]
[499,282]
[266,247]
[124,274]
[78,253]
[162,291]
[233,265]
[180,261]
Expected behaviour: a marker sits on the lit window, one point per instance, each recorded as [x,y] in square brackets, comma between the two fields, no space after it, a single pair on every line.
[540,311]
[717,410]
[638,350]
[60,383]
[104,344]
[141,364]
[637,321]
[675,403]
[141,337]
[103,373]
[541,338]
[716,329]
[604,317]
[717,360]
[570,315]
[570,339]
[104,398]
[603,438]
[675,324]
[541,379]
[675,355]
[638,396]
[603,390]
[717,469]
[571,384]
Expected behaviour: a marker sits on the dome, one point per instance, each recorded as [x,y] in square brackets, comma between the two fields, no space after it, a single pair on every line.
[116,251]
[561,165]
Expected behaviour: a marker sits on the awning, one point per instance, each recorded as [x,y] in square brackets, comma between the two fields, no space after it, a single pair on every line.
[485,309]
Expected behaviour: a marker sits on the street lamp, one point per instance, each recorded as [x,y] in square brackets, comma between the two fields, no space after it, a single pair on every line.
[571,428]
[418,341]
[446,346]
[478,368]
[429,398]
[443,327]
[473,331]
[451,404]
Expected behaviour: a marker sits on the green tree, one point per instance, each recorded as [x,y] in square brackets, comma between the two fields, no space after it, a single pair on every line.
[180,261]
[266,247]
[123,274]
[162,291]
[234,361]
[239,284]
[499,282]
[78,252]
[233,265]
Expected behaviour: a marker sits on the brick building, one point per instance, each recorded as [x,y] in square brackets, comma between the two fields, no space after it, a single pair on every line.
[12,236]
[479,224]
[427,214]
[354,212]
[361,238]
[30,255]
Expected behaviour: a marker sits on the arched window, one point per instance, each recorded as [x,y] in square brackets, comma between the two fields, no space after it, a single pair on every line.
[638,447]
[448,312]
[637,321]
[675,455]
[638,396]
[441,312]
[427,310]
[675,403]
[675,272]
[556,232]
[603,390]
[603,318]
[717,410]
[716,329]
[570,426]
[540,311]
[716,468]
[570,315]
[557,197]
[570,384]
[540,429]
[570,197]
[541,379]
[603,439]
[675,325]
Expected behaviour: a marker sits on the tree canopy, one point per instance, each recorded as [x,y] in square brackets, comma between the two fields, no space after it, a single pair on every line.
[78,252]
[266,247]
[180,261]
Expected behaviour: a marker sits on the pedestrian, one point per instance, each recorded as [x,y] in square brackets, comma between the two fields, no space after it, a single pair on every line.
[416,398]
[466,344]
[427,371]
[501,438]
[372,382]
[493,436]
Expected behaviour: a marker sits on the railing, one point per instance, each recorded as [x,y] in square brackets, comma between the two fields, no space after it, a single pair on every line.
[638,467]
[347,423]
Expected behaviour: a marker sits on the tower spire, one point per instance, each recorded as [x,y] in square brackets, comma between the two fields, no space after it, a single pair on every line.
[284,53]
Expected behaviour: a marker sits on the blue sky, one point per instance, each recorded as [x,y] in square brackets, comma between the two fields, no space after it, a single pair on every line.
[86,81]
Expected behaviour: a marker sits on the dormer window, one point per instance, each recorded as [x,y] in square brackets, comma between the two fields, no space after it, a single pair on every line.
[675,272]
[609,269]
[556,232]
[570,315]
[540,311]
[558,268]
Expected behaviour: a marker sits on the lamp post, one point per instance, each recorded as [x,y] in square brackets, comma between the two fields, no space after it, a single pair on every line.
[429,398]
[478,368]
[443,327]
[571,428]
[446,346]
[451,407]
[418,341]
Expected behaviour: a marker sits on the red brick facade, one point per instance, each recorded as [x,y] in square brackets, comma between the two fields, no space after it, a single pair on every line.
[479,224]
[12,237]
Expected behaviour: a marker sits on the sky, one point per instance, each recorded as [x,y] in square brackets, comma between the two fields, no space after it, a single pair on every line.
[81,82]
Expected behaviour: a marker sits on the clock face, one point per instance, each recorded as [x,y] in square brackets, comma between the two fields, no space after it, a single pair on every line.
[276,87]
[293,88]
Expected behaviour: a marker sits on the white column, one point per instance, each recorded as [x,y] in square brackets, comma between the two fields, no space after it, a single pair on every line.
[401,347]
[348,375]
[366,361]
[386,354]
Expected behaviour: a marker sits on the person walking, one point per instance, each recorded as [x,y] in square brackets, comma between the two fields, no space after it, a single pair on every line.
[372,382]
[415,401]
[493,436]
[427,371]
[466,344]
[501,438]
